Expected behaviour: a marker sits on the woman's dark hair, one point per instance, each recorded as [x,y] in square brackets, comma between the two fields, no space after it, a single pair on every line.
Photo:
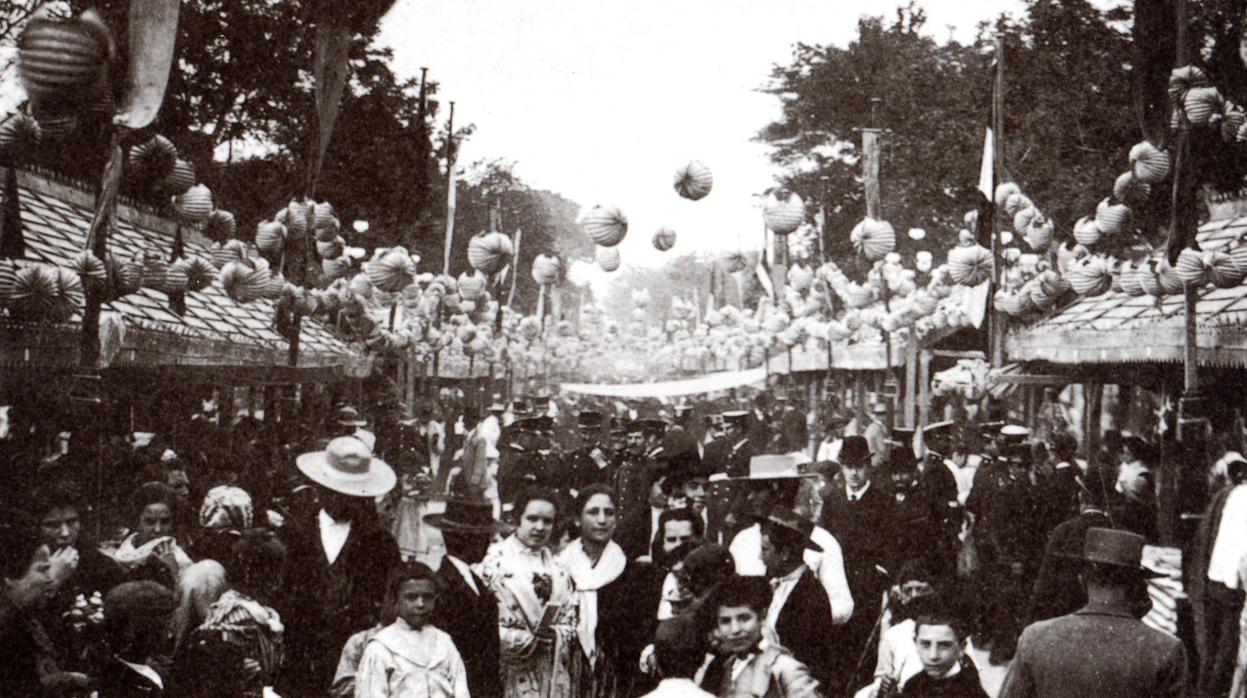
[535,494]
[154,493]
[60,494]
[257,559]
[19,541]
[589,492]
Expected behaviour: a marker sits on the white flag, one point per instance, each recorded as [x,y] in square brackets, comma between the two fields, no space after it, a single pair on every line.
[985,169]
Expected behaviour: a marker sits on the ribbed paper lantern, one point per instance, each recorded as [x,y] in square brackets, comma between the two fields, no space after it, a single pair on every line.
[154,158]
[1003,192]
[873,239]
[489,252]
[155,268]
[92,269]
[335,268]
[294,217]
[546,269]
[693,181]
[1016,202]
[391,270]
[664,239]
[1169,279]
[270,237]
[1129,278]
[193,205]
[1201,103]
[970,266]
[607,258]
[199,273]
[220,225]
[125,276]
[1112,218]
[1182,80]
[63,60]
[1190,268]
[1149,280]
[8,281]
[236,279]
[1091,276]
[180,178]
[230,251]
[323,218]
[471,286]
[1039,232]
[784,212]
[176,278]
[1022,219]
[332,249]
[1148,163]
[1221,270]
[1087,231]
[606,226]
[35,292]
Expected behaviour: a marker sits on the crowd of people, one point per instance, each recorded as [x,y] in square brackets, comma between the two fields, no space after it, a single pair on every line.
[598,549]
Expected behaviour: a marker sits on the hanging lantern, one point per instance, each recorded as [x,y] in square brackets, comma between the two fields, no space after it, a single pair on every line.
[693,181]
[783,212]
[199,272]
[1190,267]
[154,158]
[35,292]
[923,260]
[270,237]
[800,277]
[546,269]
[664,239]
[335,268]
[180,178]
[1148,163]
[1016,202]
[1091,276]
[230,251]
[92,269]
[489,252]
[323,218]
[193,205]
[220,225]
[1112,218]
[1182,80]
[1002,194]
[970,266]
[175,278]
[1039,232]
[1087,231]
[606,226]
[294,217]
[1200,103]
[1220,269]
[63,60]
[471,286]
[1023,218]
[607,258]
[124,276]
[873,239]
[1149,280]
[332,249]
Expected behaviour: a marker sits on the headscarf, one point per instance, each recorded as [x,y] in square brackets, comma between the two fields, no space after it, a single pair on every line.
[199,586]
[226,507]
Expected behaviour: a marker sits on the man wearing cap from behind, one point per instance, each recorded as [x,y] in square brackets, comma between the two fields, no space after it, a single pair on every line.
[338,562]
[1103,650]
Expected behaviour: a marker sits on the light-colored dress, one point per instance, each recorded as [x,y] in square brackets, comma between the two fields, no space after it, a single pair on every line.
[531,669]
[404,662]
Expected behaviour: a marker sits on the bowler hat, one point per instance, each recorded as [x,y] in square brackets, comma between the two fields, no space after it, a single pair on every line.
[465,516]
[854,450]
[790,525]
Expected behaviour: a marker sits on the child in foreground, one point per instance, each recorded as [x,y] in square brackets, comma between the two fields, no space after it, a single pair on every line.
[410,657]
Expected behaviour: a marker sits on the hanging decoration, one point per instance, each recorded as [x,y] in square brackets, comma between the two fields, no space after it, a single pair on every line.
[489,252]
[784,212]
[664,239]
[606,226]
[693,181]
[607,258]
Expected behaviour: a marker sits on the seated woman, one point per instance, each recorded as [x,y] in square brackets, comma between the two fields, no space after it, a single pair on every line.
[152,552]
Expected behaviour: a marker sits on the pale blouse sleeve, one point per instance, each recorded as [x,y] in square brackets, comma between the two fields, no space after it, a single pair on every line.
[830,570]
[372,677]
[459,674]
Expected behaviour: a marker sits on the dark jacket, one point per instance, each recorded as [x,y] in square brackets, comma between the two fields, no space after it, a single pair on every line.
[116,680]
[1058,590]
[1099,651]
[25,645]
[964,684]
[328,603]
[627,619]
[471,620]
[866,531]
[636,533]
[811,642]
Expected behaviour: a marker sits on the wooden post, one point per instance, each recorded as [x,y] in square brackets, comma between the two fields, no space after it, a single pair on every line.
[871,147]
[911,383]
[450,188]
[515,265]
[996,319]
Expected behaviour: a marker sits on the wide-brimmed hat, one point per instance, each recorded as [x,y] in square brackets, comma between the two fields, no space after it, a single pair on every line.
[465,516]
[790,524]
[1115,548]
[853,450]
[348,466]
[768,467]
[348,416]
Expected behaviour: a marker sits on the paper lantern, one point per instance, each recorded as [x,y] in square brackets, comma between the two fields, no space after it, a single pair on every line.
[125,276]
[546,269]
[471,286]
[391,270]
[220,225]
[1169,279]
[154,158]
[270,237]
[1200,103]
[180,178]
[784,212]
[1148,164]
[1039,232]
[91,269]
[1087,231]
[607,258]
[1149,280]
[335,268]
[1017,202]
[63,60]
[332,249]
[1182,80]
[274,288]
[489,252]
[1231,122]
[970,266]
[199,272]
[873,239]
[19,137]
[1190,267]
[236,278]
[1003,192]
[193,205]
[1238,254]
[693,181]
[664,239]
[800,277]
[1220,269]
[1022,219]
[923,260]
[1091,276]
[606,226]
[294,216]
[1129,279]
[56,125]
[175,278]
[35,292]
[1111,218]
[323,218]
[734,262]
[230,251]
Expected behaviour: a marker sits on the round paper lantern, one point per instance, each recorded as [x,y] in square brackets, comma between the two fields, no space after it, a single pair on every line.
[63,60]
[1112,218]
[1231,122]
[606,226]
[1122,184]
[236,279]
[693,181]
[332,249]
[489,252]
[391,270]
[323,218]
[335,268]
[180,178]
[1022,219]
[19,137]
[295,217]
[546,269]
[275,288]
[155,268]
[125,276]
[34,295]
[69,296]
[1149,279]
[1003,192]
[154,158]
[1169,280]
[230,251]
[270,237]
[970,266]
[220,225]
[92,269]
[607,258]
[873,239]
[800,277]
[1190,267]
[1039,232]
[1087,231]
[1091,276]
[1129,279]
[176,278]
[1182,80]
[1148,163]
[199,272]
[664,239]
[734,262]
[1201,103]
[1016,202]
[923,260]
[471,286]
[784,212]
[1221,270]
[193,205]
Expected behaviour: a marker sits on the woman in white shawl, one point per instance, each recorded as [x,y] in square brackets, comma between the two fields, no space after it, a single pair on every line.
[152,552]
[536,604]
[613,596]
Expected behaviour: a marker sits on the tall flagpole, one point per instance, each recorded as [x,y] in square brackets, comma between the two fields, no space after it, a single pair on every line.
[450,188]
[996,327]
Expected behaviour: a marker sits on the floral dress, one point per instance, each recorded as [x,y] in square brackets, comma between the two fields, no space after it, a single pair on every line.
[532,586]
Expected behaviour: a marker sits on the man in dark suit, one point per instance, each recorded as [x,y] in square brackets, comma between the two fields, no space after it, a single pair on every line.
[467,609]
[798,597]
[639,528]
[862,517]
[1104,649]
[338,562]
[937,494]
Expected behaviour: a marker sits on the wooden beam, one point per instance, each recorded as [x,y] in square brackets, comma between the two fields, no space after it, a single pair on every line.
[1033,379]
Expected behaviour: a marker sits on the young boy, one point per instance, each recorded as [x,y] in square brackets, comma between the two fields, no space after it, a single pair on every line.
[411,657]
[946,671]
[745,662]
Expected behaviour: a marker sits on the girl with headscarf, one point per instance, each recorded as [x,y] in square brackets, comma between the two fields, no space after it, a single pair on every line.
[225,513]
[152,552]
[536,604]
[612,622]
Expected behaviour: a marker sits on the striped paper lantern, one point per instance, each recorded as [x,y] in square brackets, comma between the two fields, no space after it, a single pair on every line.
[193,205]
[873,239]
[1149,164]
[693,181]
[664,239]
[63,60]
[489,252]
[607,258]
[605,225]
[784,212]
